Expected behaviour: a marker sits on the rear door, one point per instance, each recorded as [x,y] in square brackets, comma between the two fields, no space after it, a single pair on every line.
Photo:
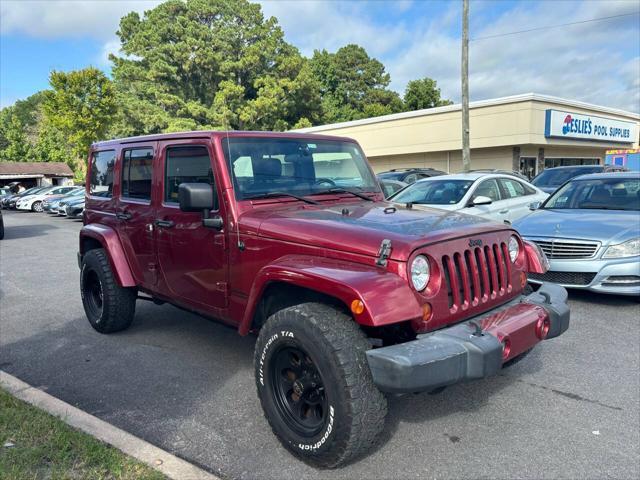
[192,258]
[518,197]
[135,212]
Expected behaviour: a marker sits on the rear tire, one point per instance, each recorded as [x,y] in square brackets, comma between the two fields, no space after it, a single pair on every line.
[36,207]
[315,386]
[108,306]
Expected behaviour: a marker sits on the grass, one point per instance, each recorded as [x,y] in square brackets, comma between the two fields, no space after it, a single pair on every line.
[44,447]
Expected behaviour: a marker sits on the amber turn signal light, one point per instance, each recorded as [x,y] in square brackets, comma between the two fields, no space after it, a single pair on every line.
[357,306]
[427,312]
[523,279]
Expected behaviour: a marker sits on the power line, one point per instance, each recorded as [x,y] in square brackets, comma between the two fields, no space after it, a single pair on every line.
[555,26]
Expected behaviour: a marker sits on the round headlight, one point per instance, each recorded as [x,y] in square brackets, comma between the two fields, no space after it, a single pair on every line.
[514,248]
[420,272]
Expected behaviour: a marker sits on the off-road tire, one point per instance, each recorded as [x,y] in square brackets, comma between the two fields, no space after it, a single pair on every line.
[117,304]
[336,346]
[36,206]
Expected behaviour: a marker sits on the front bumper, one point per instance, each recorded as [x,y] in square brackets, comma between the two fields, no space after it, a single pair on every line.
[603,275]
[474,349]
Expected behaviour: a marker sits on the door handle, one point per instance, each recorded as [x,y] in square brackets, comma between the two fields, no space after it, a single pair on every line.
[164,223]
[123,216]
[504,211]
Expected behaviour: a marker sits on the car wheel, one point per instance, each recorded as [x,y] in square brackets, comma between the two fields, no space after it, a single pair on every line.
[108,306]
[1,228]
[315,386]
[36,207]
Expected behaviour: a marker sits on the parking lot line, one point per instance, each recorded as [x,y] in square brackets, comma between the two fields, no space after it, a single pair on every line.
[161,460]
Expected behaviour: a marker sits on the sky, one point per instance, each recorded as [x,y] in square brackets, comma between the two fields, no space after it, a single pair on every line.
[592,61]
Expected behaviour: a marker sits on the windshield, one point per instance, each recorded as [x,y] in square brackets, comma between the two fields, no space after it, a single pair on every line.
[599,194]
[434,192]
[261,166]
[554,177]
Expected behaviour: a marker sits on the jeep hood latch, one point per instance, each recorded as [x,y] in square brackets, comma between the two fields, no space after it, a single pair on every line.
[384,252]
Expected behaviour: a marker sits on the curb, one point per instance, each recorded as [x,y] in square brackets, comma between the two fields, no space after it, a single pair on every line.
[158,459]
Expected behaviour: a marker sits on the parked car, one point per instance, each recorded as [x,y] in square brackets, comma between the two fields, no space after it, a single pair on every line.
[62,205]
[33,202]
[590,232]
[9,202]
[409,175]
[254,237]
[390,187]
[50,204]
[551,178]
[498,170]
[75,208]
[498,197]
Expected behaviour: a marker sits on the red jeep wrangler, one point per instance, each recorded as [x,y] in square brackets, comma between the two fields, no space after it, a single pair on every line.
[288,236]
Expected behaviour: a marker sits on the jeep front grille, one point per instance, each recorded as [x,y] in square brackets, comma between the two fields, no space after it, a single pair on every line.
[476,275]
[558,248]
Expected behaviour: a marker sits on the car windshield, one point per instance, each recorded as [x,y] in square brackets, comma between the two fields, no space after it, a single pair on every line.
[434,192]
[598,194]
[271,166]
[554,177]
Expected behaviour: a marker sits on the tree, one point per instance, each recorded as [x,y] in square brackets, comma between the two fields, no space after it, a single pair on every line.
[81,106]
[198,64]
[14,145]
[423,93]
[353,85]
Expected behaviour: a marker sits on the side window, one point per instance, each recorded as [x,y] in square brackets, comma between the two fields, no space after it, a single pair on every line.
[488,188]
[512,188]
[101,173]
[187,165]
[136,173]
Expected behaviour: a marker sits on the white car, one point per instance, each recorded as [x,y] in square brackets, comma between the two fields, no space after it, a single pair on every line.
[500,197]
[34,202]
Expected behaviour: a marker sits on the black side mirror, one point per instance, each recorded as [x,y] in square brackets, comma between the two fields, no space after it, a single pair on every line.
[195,197]
[199,197]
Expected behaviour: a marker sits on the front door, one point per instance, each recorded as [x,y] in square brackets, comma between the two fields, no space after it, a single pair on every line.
[192,257]
[498,209]
[135,212]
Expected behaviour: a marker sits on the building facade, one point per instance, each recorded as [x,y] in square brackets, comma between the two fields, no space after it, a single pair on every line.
[35,174]
[526,133]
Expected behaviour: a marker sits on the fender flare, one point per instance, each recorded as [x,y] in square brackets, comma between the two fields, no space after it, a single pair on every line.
[343,280]
[108,238]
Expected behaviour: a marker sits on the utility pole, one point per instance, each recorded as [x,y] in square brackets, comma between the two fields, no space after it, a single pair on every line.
[466,153]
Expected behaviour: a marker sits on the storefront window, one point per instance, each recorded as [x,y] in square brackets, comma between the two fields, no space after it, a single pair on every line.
[569,162]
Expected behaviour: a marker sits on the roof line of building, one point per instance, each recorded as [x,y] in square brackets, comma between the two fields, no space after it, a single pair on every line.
[477,104]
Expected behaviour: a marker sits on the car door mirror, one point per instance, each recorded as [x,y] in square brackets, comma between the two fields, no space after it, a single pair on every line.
[481,200]
[195,197]
[534,205]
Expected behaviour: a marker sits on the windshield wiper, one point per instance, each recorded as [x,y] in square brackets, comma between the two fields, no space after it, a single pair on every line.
[280,194]
[344,190]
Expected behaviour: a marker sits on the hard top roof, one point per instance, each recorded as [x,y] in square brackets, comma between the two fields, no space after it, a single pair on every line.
[213,134]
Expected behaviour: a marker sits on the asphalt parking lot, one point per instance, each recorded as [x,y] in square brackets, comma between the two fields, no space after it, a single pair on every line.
[571,409]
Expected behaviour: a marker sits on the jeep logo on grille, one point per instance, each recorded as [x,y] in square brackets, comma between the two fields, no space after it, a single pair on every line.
[475,243]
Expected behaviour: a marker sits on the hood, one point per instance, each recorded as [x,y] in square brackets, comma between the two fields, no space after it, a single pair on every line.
[598,225]
[364,226]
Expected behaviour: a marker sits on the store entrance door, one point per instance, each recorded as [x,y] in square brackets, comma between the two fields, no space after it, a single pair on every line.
[528,166]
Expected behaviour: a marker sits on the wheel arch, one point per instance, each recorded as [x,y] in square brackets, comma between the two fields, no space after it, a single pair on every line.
[295,279]
[95,236]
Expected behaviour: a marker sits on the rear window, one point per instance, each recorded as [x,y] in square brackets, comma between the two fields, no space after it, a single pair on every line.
[101,173]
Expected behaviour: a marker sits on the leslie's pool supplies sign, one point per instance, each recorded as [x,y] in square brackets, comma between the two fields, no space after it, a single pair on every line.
[588,127]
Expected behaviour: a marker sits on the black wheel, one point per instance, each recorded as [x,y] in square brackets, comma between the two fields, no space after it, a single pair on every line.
[315,386]
[36,207]
[109,307]
[1,228]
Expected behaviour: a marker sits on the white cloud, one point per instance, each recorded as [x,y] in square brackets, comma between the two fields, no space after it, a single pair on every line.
[65,18]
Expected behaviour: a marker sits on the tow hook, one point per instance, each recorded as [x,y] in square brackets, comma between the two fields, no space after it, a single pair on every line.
[478,329]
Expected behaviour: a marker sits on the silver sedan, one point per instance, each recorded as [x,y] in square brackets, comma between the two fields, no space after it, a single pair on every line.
[590,230]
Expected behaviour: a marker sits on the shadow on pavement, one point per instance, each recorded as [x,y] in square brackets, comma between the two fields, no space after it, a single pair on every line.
[15,232]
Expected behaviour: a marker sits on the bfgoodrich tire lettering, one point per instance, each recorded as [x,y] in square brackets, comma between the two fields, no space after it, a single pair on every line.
[109,307]
[329,378]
